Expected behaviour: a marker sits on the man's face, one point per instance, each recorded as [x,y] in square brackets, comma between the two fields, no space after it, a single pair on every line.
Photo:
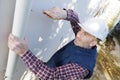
[84,39]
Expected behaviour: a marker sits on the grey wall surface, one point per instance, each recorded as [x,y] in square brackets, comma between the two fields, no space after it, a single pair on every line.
[6,20]
[45,35]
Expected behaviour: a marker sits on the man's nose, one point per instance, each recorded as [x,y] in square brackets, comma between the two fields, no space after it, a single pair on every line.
[79,34]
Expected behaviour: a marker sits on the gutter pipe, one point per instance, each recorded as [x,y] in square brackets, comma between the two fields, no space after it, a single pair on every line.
[22,10]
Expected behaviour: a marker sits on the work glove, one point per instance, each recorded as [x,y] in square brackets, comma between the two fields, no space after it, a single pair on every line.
[56,13]
[17,45]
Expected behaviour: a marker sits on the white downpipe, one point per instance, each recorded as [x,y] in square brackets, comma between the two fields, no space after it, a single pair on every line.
[22,10]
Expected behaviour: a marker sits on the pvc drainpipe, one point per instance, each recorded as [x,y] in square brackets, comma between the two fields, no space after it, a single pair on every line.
[22,10]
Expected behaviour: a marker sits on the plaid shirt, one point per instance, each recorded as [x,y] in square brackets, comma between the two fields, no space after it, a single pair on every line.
[70,71]
[74,20]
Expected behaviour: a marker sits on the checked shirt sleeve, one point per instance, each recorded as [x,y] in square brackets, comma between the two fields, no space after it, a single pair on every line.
[66,72]
[72,16]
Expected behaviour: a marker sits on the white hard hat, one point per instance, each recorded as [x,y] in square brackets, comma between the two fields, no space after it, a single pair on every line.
[96,27]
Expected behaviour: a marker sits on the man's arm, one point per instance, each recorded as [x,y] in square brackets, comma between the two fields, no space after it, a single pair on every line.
[72,16]
[66,72]
[64,14]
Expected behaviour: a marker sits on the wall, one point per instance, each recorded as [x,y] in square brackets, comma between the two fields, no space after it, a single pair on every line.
[50,33]
[6,19]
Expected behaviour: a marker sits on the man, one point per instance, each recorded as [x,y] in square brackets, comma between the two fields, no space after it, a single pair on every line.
[74,61]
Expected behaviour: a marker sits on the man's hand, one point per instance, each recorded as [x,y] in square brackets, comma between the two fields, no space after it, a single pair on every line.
[56,13]
[17,45]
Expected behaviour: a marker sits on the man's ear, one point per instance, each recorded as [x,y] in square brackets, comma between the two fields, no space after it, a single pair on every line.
[93,43]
